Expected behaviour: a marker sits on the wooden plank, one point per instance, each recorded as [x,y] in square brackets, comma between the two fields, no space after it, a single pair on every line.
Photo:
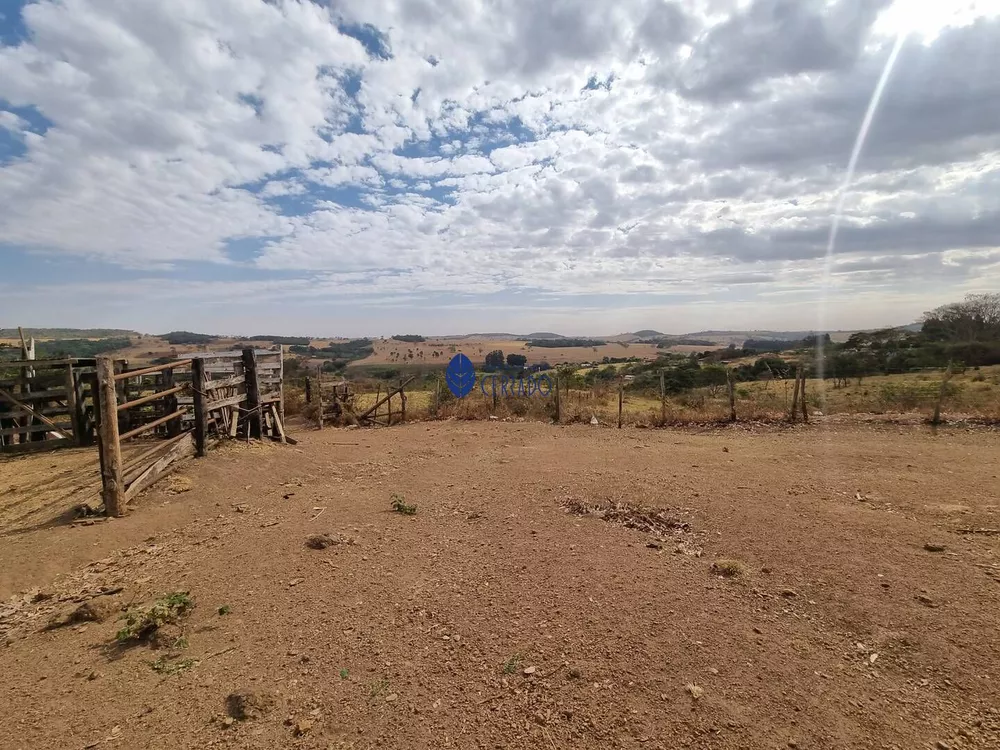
[183,449]
[281,388]
[150,397]
[31,411]
[46,395]
[136,464]
[152,369]
[278,427]
[234,421]
[155,423]
[63,430]
[236,400]
[211,385]
[44,445]
[113,486]
[37,363]
[201,410]
[269,397]
[254,428]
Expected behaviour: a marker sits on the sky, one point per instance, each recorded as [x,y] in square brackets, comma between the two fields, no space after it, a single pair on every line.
[375,167]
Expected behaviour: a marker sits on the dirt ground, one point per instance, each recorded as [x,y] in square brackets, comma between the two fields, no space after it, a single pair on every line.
[556,587]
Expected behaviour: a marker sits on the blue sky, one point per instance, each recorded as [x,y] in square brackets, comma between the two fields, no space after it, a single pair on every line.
[358,168]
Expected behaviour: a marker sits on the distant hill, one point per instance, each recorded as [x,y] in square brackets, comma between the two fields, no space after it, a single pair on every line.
[543,335]
[648,333]
[68,333]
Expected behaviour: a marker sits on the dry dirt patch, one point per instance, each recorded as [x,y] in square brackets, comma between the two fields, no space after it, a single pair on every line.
[492,617]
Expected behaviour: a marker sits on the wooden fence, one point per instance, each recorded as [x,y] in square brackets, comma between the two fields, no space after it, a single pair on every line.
[161,414]
[336,401]
[46,404]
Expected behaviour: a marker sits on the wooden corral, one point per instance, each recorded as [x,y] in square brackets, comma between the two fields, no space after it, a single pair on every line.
[179,409]
[46,404]
[335,401]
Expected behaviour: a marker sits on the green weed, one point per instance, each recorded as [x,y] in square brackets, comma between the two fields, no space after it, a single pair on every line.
[141,623]
[400,506]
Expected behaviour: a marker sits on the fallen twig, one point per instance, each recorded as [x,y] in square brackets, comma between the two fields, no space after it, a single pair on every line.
[220,653]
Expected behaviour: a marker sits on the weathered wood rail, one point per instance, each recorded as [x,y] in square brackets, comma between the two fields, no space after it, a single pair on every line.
[336,402]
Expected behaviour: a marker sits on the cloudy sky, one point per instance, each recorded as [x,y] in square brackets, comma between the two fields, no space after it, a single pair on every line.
[378,166]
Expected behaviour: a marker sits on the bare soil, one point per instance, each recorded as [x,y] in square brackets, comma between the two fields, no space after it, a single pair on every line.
[555,588]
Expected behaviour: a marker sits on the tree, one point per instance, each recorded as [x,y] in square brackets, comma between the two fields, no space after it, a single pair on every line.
[975,319]
[516,360]
[495,360]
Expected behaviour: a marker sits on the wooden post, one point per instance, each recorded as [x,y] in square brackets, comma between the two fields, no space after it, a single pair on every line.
[72,407]
[170,402]
[309,399]
[388,404]
[621,401]
[112,478]
[199,384]
[663,397]
[437,395]
[402,403]
[936,419]
[802,397]
[795,396]
[558,401]
[732,395]
[319,399]
[254,420]
[281,390]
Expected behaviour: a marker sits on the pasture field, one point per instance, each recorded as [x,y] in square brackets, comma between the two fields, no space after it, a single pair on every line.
[507,584]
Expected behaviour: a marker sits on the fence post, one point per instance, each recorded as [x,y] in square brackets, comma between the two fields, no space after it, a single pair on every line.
[936,419]
[621,401]
[802,397]
[281,389]
[254,422]
[558,400]
[402,400]
[112,479]
[199,386]
[73,407]
[319,399]
[663,399]
[309,394]
[437,396]
[732,395]
[795,397]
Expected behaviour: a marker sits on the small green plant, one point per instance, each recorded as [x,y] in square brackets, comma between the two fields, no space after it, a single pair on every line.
[180,643]
[167,666]
[141,623]
[344,674]
[510,666]
[400,506]
[225,609]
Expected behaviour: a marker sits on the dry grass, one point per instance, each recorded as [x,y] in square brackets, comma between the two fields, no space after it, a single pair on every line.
[729,568]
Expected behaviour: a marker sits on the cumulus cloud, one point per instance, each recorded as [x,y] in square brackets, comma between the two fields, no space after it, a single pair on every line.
[428,147]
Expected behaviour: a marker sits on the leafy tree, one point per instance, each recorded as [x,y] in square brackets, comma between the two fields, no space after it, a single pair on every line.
[495,360]
[977,318]
[516,360]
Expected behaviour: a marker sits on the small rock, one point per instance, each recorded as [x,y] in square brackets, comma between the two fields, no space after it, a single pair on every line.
[789,593]
[391,698]
[295,581]
[528,671]
[725,449]
[934,547]
[320,541]
[93,676]
[873,658]
[302,726]
[694,690]
[713,670]
[926,600]
[593,420]
[758,631]
[942,745]
[246,705]
[228,722]
[539,718]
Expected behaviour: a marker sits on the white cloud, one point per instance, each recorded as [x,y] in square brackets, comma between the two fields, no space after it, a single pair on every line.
[565,148]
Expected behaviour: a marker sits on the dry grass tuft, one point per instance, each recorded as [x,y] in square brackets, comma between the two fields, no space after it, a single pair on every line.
[726,567]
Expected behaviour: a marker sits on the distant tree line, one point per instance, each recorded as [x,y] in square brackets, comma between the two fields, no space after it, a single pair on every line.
[282,340]
[559,343]
[338,355]
[409,338]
